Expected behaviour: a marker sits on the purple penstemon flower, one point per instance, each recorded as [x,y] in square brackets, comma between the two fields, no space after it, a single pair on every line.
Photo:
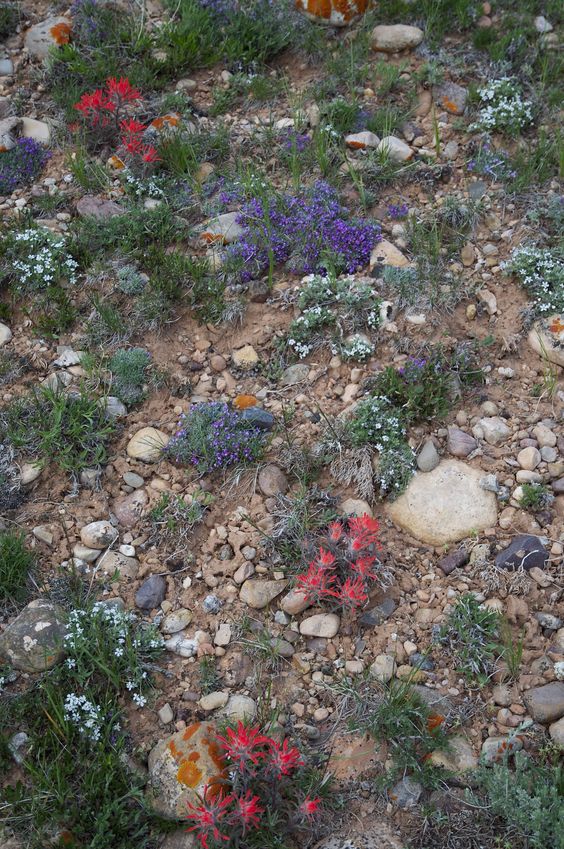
[21,165]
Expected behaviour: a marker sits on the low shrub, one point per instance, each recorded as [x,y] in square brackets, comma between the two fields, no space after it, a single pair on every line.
[425,387]
[541,272]
[310,233]
[34,259]
[332,307]
[211,436]
[502,107]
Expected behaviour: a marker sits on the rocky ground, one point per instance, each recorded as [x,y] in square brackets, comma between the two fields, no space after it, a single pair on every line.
[219,592]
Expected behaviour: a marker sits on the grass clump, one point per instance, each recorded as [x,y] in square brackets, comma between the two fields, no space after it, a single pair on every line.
[395,714]
[17,564]
[470,635]
[69,430]
[9,18]
[535,497]
[174,517]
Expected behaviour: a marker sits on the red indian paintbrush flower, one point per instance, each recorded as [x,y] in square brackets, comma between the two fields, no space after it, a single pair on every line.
[283,760]
[208,816]
[243,745]
[309,807]
[247,810]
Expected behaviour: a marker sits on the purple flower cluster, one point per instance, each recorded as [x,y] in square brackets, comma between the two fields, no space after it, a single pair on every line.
[396,211]
[293,141]
[491,163]
[21,165]
[411,370]
[212,436]
[86,22]
[311,233]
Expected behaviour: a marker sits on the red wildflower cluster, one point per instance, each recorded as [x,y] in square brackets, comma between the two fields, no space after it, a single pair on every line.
[261,779]
[346,564]
[105,113]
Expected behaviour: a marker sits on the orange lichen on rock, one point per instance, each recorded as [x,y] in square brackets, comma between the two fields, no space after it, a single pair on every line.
[189,774]
[115,162]
[337,12]
[243,402]
[165,121]
[450,106]
[556,325]
[61,33]
[190,731]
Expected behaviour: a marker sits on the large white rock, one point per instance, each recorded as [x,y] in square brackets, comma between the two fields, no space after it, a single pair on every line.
[37,130]
[395,37]
[445,505]
[5,334]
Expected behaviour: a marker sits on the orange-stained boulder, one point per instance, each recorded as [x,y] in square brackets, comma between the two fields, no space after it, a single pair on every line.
[181,766]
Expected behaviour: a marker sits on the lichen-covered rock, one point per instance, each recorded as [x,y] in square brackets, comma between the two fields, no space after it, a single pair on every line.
[546,338]
[181,766]
[52,32]
[34,640]
[337,13]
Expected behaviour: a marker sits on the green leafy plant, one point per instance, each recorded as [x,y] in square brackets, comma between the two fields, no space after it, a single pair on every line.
[535,497]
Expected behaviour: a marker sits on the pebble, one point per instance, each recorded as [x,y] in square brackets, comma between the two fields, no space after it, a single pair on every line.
[98,535]
[383,668]
[529,458]
[165,714]
[147,445]
[5,334]
[213,701]
[320,625]
[151,592]
[428,458]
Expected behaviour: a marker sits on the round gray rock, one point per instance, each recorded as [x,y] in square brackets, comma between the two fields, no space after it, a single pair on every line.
[34,640]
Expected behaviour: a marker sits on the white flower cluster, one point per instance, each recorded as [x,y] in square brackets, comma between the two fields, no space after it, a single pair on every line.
[357,348]
[310,320]
[44,260]
[541,271]
[503,107]
[148,188]
[87,716]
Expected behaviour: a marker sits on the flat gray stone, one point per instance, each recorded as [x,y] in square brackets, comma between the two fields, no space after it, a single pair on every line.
[546,703]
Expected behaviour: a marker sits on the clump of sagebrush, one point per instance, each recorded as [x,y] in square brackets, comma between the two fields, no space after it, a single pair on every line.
[130,368]
[309,233]
[174,517]
[211,436]
[541,271]
[17,564]
[21,165]
[68,429]
[34,259]
[471,636]
[502,107]
[425,387]
[535,496]
[530,797]
[331,307]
